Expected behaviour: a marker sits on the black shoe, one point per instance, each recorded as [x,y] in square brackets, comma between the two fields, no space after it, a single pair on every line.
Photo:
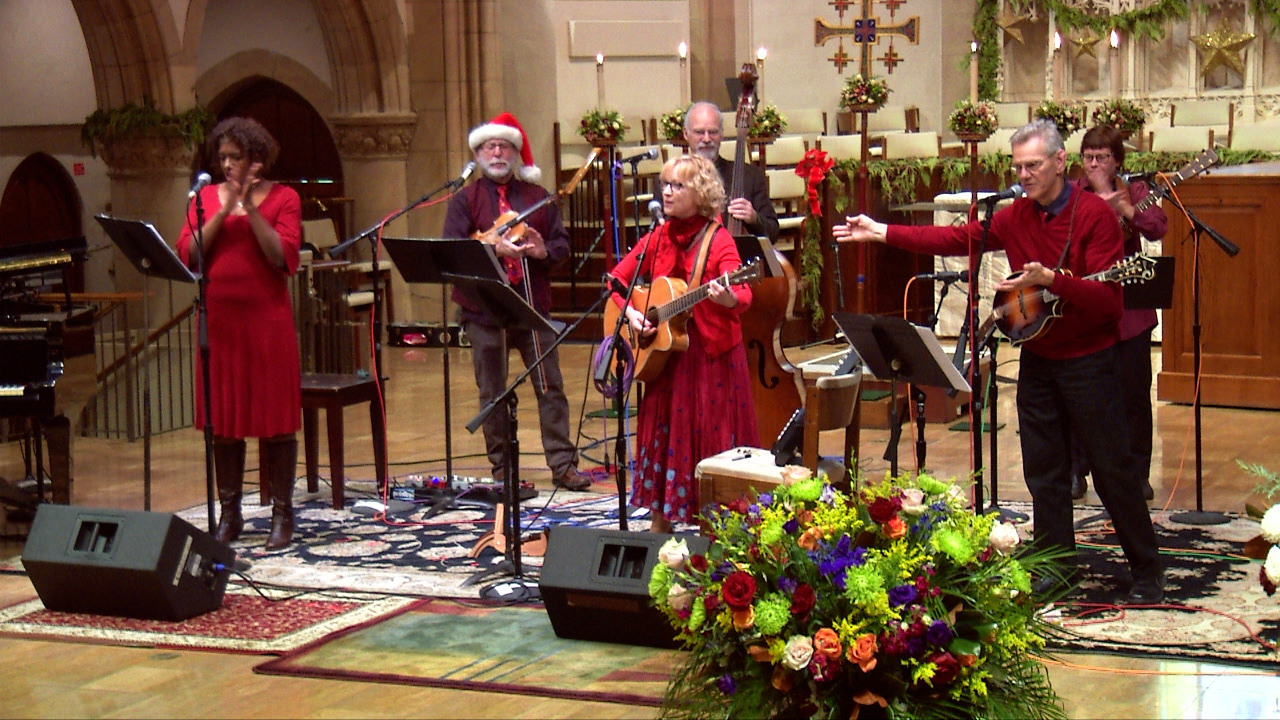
[1052,587]
[1146,592]
[1079,486]
[1148,492]
[573,479]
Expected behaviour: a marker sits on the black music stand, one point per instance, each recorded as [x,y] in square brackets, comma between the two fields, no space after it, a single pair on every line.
[427,260]
[898,350]
[151,255]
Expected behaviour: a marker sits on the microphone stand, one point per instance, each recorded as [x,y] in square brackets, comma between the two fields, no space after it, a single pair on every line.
[975,375]
[635,191]
[917,391]
[206,388]
[620,453]
[1199,516]
[372,232]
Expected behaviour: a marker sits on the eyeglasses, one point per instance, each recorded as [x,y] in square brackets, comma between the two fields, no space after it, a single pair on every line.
[709,132]
[1097,157]
[671,185]
[497,145]
[1030,167]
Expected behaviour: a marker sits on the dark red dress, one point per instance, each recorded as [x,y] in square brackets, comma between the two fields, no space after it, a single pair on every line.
[254,370]
[701,404]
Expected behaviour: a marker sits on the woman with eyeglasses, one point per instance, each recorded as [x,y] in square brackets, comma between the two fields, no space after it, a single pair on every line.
[1069,384]
[1103,151]
[700,403]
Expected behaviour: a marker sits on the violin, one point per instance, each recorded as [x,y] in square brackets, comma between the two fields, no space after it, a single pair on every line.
[511,224]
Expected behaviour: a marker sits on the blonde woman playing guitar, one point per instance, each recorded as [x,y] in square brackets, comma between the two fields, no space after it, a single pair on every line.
[700,403]
[1068,383]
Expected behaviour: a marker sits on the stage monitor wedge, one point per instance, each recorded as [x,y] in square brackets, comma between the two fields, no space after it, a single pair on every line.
[125,563]
[595,585]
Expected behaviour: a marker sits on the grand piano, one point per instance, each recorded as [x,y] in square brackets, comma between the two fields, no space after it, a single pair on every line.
[39,341]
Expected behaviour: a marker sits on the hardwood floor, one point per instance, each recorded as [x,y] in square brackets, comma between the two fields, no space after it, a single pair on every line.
[72,680]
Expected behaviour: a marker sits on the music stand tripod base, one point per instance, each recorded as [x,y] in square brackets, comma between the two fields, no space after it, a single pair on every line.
[1200,517]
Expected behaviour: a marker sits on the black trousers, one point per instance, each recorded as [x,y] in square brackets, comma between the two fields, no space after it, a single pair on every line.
[1081,398]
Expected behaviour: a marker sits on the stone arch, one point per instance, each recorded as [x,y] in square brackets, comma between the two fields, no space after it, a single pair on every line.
[130,46]
[368,54]
[229,76]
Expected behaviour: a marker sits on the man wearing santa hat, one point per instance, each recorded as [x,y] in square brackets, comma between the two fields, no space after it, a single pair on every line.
[528,252]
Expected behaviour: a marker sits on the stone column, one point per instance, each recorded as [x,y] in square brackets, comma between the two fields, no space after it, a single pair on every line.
[375,151]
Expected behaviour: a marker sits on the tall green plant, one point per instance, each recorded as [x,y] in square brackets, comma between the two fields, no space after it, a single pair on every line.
[103,127]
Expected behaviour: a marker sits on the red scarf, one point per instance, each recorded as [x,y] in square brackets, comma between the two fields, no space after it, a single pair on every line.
[673,245]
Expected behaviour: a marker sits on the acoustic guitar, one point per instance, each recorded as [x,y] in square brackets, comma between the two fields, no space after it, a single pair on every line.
[1027,312]
[668,303]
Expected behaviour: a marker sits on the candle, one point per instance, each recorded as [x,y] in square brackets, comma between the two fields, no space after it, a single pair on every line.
[683,51]
[761,54]
[600,80]
[1057,66]
[973,72]
[1115,63]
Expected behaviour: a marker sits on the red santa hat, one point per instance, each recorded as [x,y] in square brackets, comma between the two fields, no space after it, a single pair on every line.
[506,127]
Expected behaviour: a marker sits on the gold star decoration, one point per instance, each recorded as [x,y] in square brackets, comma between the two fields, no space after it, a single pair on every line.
[1009,21]
[1085,44]
[1222,47]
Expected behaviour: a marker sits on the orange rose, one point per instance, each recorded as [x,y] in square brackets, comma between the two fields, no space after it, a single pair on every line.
[782,679]
[863,652]
[895,528]
[827,643]
[809,540]
[745,618]
[759,653]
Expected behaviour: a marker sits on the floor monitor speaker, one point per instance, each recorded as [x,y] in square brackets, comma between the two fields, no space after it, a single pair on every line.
[595,585]
[145,565]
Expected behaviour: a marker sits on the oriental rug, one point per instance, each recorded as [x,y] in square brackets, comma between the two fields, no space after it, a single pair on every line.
[246,622]
[475,645]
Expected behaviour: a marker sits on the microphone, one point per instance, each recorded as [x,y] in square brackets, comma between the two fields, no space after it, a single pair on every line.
[462,176]
[655,212]
[614,284]
[948,276]
[650,154]
[1012,191]
[202,180]
[1143,176]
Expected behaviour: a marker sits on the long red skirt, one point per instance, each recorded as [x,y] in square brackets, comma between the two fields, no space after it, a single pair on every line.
[700,406]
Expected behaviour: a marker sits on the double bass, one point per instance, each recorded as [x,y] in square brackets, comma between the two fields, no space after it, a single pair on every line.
[776,386]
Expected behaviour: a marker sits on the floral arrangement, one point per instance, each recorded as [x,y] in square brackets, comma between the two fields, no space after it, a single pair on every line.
[1069,117]
[1266,546]
[1121,114]
[605,125]
[671,125]
[768,122]
[896,601]
[969,118]
[861,92]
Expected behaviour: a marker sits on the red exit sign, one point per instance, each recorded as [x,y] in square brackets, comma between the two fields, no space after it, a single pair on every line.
[77,169]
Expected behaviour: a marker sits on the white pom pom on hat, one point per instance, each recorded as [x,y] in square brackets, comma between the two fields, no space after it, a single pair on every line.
[506,127]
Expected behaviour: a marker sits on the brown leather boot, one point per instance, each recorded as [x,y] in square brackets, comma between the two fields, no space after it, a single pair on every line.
[228,471]
[280,470]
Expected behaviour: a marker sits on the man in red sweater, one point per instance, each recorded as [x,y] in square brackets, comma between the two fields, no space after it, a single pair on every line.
[1068,383]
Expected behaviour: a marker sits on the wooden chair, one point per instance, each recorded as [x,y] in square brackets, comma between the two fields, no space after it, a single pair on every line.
[808,123]
[785,152]
[1256,136]
[1013,114]
[833,403]
[789,194]
[1217,114]
[1189,138]
[912,145]
[997,142]
[842,147]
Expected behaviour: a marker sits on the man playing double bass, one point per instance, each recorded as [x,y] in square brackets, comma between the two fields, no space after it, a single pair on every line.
[502,152]
[704,132]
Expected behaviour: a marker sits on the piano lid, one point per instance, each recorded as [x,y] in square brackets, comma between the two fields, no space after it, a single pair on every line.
[37,257]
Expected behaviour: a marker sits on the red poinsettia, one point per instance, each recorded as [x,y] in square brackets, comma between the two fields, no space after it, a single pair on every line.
[814,168]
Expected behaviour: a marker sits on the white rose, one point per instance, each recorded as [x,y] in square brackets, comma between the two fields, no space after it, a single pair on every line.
[1004,537]
[679,598]
[798,652]
[1271,525]
[673,553]
[913,501]
[792,474]
[1272,565]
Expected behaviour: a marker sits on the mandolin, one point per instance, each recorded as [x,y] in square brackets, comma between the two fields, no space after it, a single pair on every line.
[669,302]
[1027,312]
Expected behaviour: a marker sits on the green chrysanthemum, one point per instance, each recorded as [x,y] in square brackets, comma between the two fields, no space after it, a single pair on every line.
[863,585]
[930,485]
[697,614]
[771,532]
[807,490]
[659,581]
[772,614]
[954,545]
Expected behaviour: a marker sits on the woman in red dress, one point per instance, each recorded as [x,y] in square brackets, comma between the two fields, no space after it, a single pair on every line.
[700,405]
[250,239]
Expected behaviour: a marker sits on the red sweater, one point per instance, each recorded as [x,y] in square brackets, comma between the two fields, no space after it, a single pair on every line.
[719,327]
[1090,310]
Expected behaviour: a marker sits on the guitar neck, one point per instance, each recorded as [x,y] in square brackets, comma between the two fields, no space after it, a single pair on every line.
[682,304]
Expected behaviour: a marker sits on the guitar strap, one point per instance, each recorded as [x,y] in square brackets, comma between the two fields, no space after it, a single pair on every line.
[704,248]
[1074,201]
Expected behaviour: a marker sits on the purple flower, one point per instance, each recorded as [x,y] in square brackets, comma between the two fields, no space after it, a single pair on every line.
[902,595]
[722,571]
[786,584]
[791,526]
[765,499]
[834,561]
[939,633]
[727,684]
